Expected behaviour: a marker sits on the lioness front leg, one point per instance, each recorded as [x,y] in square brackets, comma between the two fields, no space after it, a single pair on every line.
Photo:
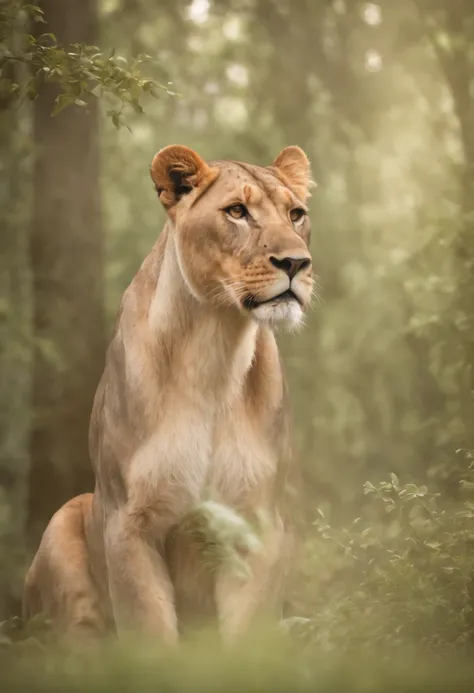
[140,587]
[239,600]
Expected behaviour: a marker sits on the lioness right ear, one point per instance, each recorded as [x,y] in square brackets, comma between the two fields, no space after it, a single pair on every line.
[293,163]
[176,170]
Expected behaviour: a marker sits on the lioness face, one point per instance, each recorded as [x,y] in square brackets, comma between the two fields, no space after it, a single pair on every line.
[241,232]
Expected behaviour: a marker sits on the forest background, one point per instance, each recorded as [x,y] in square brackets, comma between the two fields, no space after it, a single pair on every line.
[381,97]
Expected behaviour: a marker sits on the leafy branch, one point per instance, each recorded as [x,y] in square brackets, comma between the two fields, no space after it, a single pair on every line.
[80,71]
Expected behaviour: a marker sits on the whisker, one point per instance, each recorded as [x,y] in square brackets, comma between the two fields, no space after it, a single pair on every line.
[219,294]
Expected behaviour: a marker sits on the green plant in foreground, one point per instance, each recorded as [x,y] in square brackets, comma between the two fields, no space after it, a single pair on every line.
[261,662]
[404,580]
[223,536]
[385,605]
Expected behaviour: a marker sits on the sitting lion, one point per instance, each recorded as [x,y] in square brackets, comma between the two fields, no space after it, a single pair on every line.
[190,407]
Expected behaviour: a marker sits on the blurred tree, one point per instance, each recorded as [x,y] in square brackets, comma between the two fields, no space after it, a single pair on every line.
[67,269]
[14,338]
[450,29]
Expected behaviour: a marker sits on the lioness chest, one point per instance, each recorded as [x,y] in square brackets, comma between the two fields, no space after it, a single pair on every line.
[201,452]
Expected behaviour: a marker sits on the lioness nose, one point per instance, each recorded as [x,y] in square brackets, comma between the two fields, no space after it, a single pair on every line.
[290,265]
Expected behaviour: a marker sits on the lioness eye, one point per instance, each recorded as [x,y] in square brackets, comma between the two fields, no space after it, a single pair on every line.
[236,211]
[296,214]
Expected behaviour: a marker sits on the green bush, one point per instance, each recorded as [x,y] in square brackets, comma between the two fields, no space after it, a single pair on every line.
[383,604]
[399,576]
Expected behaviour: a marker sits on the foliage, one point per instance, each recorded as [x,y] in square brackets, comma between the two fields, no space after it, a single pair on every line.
[222,535]
[262,664]
[387,606]
[79,70]
[34,634]
[398,582]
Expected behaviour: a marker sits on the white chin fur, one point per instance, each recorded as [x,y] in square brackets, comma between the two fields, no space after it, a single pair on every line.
[288,314]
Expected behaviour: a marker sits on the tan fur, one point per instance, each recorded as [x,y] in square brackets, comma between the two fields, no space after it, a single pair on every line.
[191,405]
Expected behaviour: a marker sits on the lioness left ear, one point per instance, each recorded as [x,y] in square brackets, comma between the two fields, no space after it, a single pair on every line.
[293,163]
[176,170]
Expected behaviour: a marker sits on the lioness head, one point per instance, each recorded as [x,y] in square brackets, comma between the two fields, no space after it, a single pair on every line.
[241,232]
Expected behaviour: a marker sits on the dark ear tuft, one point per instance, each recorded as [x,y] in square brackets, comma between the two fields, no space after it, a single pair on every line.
[178,181]
[176,170]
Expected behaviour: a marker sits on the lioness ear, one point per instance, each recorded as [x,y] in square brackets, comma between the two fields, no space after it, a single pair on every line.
[176,170]
[293,163]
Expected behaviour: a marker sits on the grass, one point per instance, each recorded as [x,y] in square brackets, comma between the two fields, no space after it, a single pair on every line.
[383,604]
[263,662]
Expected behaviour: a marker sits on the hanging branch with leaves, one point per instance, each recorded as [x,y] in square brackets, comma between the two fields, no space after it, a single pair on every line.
[79,70]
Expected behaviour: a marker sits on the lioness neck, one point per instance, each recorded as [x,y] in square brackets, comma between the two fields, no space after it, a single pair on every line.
[207,349]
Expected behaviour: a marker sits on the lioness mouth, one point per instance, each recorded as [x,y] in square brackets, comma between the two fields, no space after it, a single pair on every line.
[251,302]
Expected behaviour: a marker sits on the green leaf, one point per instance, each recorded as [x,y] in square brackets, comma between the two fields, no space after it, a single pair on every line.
[50,36]
[394,479]
[96,91]
[62,101]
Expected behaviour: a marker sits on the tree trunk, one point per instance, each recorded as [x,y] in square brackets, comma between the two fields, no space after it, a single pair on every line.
[14,341]
[456,22]
[67,268]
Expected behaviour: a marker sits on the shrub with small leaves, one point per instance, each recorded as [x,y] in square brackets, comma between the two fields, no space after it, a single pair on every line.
[399,582]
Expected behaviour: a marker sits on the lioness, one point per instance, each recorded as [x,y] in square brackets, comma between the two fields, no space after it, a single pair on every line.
[191,399]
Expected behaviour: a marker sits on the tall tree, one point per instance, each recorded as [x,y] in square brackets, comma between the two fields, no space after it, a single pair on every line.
[450,30]
[67,271]
[14,318]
